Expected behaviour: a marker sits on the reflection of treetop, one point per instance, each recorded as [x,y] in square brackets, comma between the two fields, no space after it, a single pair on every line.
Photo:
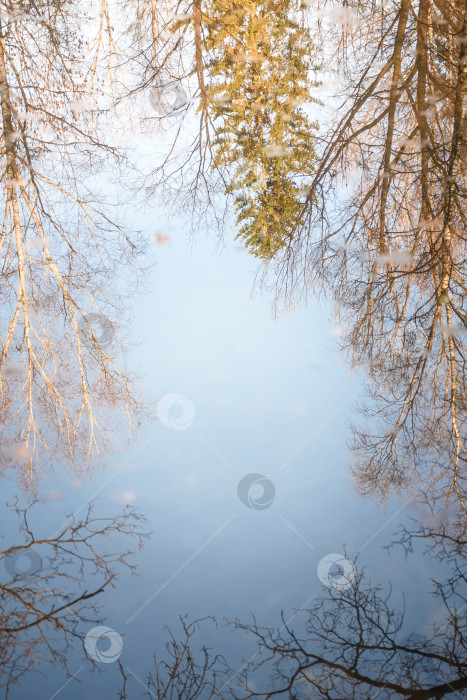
[258,61]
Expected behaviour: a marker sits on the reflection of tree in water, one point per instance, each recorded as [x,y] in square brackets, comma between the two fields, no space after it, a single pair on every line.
[382,229]
[390,247]
[392,254]
[353,644]
[61,391]
[258,60]
[49,585]
[252,63]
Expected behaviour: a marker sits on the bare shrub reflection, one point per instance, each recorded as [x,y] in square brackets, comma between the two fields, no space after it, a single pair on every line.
[353,642]
[45,604]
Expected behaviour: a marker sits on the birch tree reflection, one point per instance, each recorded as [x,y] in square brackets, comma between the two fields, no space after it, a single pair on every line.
[59,248]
